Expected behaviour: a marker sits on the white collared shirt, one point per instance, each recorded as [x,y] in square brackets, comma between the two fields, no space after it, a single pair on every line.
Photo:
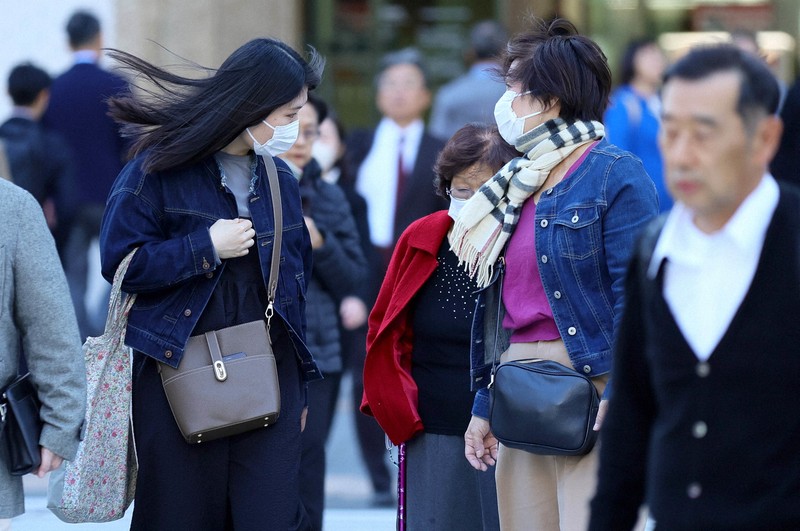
[377,177]
[707,276]
[85,57]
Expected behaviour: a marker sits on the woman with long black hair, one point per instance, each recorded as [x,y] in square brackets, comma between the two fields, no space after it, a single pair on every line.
[195,201]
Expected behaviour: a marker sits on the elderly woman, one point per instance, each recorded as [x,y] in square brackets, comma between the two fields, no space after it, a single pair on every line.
[565,217]
[416,374]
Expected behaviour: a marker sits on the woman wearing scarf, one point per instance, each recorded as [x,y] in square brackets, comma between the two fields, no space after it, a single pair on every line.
[565,217]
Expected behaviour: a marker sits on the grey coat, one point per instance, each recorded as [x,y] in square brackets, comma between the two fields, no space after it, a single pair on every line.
[36,313]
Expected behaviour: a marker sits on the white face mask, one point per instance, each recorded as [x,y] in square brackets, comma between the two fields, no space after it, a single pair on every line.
[324,154]
[283,138]
[509,125]
[455,207]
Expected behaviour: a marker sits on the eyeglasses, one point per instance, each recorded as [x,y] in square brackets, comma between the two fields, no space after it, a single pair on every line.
[460,193]
[309,135]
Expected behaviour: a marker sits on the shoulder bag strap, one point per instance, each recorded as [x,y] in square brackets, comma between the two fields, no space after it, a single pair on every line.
[277,212]
[501,268]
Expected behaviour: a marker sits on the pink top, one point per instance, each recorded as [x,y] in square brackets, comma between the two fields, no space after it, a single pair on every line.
[528,313]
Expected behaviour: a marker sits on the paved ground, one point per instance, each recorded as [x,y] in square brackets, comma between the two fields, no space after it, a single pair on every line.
[38,518]
[347,489]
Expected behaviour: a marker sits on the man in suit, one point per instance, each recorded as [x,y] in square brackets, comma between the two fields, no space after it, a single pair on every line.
[39,160]
[36,316]
[392,167]
[471,97]
[702,425]
[78,111]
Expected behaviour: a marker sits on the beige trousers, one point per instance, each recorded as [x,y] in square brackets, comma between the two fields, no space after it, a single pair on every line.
[543,492]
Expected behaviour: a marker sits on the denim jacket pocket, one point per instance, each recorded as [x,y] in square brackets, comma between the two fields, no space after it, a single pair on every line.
[579,231]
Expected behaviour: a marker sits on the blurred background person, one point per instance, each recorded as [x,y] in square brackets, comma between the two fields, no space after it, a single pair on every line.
[339,268]
[471,96]
[632,119]
[39,160]
[391,166]
[565,217]
[37,320]
[79,113]
[329,148]
[786,164]
[417,371]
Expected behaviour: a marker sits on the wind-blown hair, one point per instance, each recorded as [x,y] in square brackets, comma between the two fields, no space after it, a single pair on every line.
[179,120]
[557,64]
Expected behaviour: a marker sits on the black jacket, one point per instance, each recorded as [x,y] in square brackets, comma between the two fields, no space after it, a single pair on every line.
[40,162]
[707,445]
[339,265]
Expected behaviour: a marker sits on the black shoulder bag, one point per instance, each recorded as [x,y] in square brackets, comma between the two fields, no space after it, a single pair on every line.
[541,406]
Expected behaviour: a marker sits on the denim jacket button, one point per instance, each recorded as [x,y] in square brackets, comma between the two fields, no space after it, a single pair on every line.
[703,369]
[575,218]
[168,354]
[543,223]
[587,369]
[544,258]
[557,294]
[572,330]
[209,275]
[549,191]
[187,312]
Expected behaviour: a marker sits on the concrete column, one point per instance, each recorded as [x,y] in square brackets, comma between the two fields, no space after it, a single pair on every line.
[202,31]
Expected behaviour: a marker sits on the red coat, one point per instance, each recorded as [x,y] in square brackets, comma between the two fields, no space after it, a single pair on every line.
[390,393]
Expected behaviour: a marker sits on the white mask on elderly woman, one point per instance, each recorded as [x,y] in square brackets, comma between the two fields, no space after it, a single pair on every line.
[455,207]
[510,126]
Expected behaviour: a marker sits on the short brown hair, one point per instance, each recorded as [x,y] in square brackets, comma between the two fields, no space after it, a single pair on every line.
[555,63]
[472,144]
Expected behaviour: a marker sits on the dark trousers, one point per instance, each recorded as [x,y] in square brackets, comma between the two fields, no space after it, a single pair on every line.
[245,482]
[371,438]
[84,229]
[321,406]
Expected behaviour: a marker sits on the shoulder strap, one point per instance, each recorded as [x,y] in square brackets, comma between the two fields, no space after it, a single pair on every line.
[277,212]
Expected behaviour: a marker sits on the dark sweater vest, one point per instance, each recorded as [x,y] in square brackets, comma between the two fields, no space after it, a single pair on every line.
[724,448]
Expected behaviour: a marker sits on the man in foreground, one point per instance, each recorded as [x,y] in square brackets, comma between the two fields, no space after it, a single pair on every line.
[701,427]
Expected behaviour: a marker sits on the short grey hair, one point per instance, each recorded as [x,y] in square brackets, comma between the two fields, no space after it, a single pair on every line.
[406,56]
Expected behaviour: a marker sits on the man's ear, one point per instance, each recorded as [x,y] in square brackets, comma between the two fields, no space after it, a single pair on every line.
[767,139]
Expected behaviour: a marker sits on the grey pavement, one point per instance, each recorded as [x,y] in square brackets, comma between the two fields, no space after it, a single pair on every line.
[347,488]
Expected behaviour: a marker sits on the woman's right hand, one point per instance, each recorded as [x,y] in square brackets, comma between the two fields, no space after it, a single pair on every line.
[232,237]
[480,446]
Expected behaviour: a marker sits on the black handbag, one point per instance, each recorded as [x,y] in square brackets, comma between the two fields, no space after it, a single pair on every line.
[21,425]
[541,406]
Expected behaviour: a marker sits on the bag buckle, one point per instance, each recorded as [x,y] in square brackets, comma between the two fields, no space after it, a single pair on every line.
[3,409]
[268,313]
[219,371]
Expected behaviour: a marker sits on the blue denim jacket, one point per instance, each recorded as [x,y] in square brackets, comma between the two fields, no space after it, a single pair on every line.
[167,216]
[586,228]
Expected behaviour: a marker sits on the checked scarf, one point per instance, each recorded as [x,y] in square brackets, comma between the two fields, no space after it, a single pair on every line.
[488,219]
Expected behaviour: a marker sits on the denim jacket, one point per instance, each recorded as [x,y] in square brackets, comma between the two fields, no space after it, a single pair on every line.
[586,229]
[167,215]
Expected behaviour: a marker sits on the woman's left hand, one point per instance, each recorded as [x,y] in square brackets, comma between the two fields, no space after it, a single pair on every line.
[601,414]
[317,240]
